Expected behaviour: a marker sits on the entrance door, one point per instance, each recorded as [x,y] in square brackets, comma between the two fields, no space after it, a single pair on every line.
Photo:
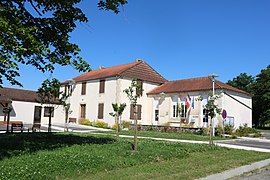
[37,117]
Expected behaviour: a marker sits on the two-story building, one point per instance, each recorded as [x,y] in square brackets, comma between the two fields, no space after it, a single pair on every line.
[92,95]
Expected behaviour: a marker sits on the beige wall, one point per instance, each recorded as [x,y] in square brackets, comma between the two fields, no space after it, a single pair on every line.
[114,88]
[242,115]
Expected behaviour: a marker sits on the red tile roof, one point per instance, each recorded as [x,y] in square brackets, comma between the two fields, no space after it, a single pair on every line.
[194,84]
[18,95]
[138,70]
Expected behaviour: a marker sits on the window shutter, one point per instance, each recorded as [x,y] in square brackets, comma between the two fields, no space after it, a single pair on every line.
[83,88]
[100,110]
[131,111]
[83,111]
[139,113]
[102,86]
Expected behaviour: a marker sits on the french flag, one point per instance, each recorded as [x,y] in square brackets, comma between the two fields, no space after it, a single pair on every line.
[188,101]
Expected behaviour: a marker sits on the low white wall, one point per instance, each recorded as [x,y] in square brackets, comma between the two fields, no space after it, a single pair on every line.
[24,111]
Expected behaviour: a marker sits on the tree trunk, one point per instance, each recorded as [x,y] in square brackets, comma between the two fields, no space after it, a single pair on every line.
[117,126]
[136,130]
[8,120]
[50,120]
[211,132]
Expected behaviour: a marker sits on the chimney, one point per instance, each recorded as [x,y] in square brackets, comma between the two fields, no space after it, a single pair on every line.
[101,67]
[138,60]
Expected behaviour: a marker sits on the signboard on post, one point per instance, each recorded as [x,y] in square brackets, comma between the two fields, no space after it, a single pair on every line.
[224,114]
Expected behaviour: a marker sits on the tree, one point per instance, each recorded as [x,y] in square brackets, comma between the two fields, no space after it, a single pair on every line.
[261,99]
[49,94]
[37,33]
[134,92]
[212,110]
[243,82]
[118,111]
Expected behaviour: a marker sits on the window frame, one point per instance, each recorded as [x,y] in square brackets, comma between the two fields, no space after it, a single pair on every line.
[100,111]
[82,113]
[102,86]
[46,112]
[83,89]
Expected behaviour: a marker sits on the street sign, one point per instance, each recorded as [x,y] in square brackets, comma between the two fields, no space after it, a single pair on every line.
[224,114]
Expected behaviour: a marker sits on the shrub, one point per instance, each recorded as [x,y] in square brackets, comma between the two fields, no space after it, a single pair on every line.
[203,131]
[219,131]
[228,129]
[126,124]
[114,127]
[101,124]
[85,122]
[245,131]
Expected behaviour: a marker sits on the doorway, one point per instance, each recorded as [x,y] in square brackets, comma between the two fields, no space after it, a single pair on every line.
[37,117]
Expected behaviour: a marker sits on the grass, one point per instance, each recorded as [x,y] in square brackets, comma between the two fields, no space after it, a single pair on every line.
[263,130]
[184,136]
[81,156]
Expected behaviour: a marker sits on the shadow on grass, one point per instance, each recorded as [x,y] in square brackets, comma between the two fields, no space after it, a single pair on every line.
[21,143]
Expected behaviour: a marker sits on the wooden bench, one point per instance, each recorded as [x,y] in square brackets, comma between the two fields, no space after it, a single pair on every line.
[72,120]
[15,125]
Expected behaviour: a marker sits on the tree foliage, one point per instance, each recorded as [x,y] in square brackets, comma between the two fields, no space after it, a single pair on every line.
[118,111]
[259,86]
[211,107]
[243,82]
[261,99]
[37,33]
[133,93]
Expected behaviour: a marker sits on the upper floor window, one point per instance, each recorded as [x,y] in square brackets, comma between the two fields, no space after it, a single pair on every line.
[83,92]
[102,86]
[68,90]
[139,91]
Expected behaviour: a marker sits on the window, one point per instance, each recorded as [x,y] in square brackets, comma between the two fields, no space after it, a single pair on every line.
[139,112]
[175,111]
[183,110]
[83,88]
[100,110]
[156,114]
[174,107]
[68,90]
[205,115]
[139,91]
[83,111]
[102,86]
[48,110]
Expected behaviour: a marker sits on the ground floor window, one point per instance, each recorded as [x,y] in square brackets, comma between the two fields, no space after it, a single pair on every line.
[83,111]
[156,114]
[139,111]
[205,115]
[48,110]
[100,110]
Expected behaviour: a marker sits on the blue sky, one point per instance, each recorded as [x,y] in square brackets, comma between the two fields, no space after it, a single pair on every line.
[179,38]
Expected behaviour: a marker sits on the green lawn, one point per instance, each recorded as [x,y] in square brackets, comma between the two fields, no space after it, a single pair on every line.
[184,136]
[87,156]
[263,130]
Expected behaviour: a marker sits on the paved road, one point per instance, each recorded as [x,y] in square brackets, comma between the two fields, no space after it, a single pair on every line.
[266,135]
[249,143]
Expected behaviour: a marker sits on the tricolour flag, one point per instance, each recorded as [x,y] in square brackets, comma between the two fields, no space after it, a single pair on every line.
[188,101]
[192,103]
